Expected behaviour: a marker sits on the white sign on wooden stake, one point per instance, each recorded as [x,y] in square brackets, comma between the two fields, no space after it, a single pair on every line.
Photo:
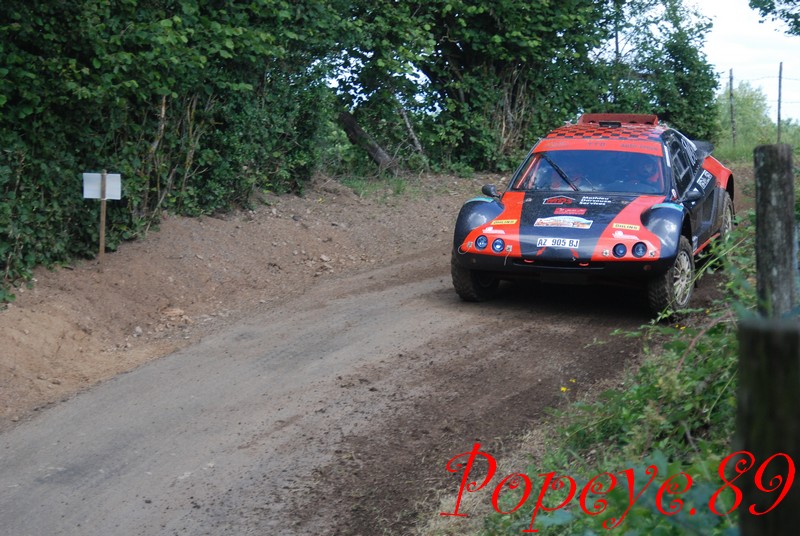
[102,186]
[92,186]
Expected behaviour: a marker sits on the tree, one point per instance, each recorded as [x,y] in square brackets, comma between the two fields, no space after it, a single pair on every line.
[786,10]
[479,79]
[479,82]
[657,66]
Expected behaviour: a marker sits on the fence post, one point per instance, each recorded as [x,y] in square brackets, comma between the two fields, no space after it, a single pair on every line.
[768,423]
[768,416]
[776,243]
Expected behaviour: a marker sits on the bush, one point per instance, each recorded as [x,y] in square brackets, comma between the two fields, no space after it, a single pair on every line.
[194,106]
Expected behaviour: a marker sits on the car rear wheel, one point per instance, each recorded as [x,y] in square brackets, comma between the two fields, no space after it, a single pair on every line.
[473,285]
[673,289]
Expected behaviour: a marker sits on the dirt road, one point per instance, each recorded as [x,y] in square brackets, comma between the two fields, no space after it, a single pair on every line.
[331,414]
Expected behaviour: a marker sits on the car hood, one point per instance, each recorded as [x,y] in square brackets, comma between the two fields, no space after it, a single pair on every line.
[586,219]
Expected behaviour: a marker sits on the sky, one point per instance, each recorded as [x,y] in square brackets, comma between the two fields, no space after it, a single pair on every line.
[754,51]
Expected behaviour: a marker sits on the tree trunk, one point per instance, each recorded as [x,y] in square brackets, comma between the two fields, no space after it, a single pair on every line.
[411,133]
[359,138]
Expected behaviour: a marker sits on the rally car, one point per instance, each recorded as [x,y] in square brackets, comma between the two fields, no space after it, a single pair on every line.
[615,198]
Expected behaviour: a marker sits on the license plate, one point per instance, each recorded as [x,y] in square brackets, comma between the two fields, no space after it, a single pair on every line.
[557,243]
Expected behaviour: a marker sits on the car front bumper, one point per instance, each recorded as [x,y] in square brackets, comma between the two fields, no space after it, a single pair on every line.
[513,267]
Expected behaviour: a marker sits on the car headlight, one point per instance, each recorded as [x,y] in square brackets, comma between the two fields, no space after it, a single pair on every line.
[481,242]
[639,250]
[620,250]
[498,245]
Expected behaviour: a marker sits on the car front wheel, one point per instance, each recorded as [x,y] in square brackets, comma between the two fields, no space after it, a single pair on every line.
[673,289]
[473,285]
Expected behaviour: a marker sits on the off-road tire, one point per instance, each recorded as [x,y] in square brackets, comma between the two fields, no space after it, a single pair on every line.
[672,290]
[473,285]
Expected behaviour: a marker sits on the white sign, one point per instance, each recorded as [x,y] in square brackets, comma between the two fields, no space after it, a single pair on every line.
[91,186]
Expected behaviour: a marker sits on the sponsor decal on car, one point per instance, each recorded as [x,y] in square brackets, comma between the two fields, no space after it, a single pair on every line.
[570,222]
[559,200]
[620,235]
[626,226]
[569,211]
[642,147]
[704,179]
[595,200]
[504,222]
[492,230]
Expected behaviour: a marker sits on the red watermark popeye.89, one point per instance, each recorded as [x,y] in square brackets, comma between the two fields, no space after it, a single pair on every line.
[590,497]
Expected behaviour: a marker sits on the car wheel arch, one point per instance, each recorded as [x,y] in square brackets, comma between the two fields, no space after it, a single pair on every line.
[473,214]
[686,228]
[729,186]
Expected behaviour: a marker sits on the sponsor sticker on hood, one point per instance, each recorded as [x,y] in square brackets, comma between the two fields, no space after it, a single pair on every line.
[595,200]
[626,226]
[562,211]
[570,222]
[558,200]
[621,235]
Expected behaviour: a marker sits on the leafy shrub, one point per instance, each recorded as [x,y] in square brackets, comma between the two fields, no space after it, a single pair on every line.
[193,105]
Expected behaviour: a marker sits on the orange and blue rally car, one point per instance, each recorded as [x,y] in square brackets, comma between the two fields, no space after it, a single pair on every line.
[614,198]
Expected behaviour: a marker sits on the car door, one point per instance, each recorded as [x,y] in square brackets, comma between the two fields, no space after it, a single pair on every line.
[695,186]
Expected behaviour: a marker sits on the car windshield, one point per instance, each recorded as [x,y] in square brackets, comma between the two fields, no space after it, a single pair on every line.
[603,171]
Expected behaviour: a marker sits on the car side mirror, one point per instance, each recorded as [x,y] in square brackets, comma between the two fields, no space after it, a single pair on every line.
[490,190]
[693,195]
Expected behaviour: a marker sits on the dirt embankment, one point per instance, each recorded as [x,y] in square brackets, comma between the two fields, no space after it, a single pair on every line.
[77,326]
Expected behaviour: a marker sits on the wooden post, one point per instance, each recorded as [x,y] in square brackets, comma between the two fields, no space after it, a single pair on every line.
[780,89]
[768,423]
[102,252]
[768,416]
[733,117]
[776,243]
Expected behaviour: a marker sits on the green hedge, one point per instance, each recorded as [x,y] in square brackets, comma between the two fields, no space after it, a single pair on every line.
[195,106]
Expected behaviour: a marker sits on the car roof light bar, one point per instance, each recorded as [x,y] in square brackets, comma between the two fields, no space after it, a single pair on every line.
[617,120]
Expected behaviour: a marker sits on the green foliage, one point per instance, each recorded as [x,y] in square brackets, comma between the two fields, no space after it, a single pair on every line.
[676,411]
[480,82]
[785,10]
[657,66]
[750,119]
[195,104]
[476,80]
[198,104]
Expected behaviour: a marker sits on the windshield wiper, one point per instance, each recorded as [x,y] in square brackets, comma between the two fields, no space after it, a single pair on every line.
[559,171]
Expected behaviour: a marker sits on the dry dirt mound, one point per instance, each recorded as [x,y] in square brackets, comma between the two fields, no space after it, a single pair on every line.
[78,325]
